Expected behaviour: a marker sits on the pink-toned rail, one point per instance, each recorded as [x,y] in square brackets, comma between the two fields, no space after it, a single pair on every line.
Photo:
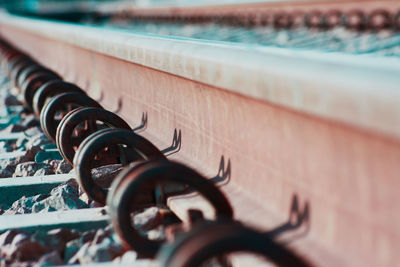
[257,7]
[348,174]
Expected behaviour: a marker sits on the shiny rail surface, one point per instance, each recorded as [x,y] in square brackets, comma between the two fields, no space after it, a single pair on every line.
[282,131]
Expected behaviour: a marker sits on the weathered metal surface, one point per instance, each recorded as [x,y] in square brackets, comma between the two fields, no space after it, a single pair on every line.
[28,71]
[135,188]
[68,137]
[372,18]
[33,83]
[64,102]
[12,189]
[50,89]
[348,177]
[290,78]
[210,8]
[107,140]
[207,240]
[19,68]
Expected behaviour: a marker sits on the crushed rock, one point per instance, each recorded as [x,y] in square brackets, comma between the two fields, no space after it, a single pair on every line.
[27,169]
[62,197]
[60,247]
[11,100]
[63,167]
[104,175]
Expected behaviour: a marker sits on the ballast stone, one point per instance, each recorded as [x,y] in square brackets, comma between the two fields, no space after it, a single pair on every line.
[8,167]
[24,205]
[63,197]
[6,146]
[22,249]
[44,171]
[50,259]
[7,237]
[27,169]
[63,167]
[11,100]
[104,175]
[101,248]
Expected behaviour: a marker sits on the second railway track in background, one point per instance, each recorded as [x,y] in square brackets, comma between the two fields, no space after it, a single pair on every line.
[285,116]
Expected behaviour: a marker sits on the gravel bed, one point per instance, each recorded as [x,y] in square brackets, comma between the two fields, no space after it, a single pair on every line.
[62,246]
[66,196]
[19,120]
[58,246]
[35,162]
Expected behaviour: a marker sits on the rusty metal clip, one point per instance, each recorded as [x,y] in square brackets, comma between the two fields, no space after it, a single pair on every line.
[32,84]
[109,146]
[59,106]
[29,71]
[69,136]
[135,189]
[51,89]
[209,240]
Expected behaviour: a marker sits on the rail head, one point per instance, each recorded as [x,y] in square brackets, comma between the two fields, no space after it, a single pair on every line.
[358,90]
[179,7]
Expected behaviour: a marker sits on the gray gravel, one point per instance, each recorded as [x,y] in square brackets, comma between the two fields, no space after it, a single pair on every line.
[59,247]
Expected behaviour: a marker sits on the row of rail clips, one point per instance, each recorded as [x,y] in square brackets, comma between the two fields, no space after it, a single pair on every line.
[89,136]
[355,19]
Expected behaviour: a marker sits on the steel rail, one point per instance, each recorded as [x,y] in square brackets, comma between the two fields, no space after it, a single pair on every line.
[207,8]
[287,77]
[254,10]
[288,123]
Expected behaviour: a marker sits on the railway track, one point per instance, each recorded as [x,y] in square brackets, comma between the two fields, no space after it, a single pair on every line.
[295,146]
[90,138]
